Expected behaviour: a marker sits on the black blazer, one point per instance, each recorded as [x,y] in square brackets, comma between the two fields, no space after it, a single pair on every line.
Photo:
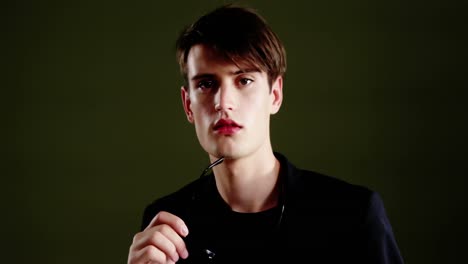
[325,220]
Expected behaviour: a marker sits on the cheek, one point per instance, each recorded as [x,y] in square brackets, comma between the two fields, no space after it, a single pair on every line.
[200,129]
[201,117]
[259,105]
[256,114]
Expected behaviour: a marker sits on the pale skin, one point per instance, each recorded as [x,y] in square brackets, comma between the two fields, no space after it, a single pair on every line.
[247,179]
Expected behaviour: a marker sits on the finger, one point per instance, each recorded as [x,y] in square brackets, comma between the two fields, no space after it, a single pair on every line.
[153,237]
[149,254]
[167,218]
[163,243]
[175,239]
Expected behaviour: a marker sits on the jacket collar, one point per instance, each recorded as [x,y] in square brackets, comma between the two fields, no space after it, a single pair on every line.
[288,176]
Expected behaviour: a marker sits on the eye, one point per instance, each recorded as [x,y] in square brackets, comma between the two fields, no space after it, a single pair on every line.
[206,84]
[245,81]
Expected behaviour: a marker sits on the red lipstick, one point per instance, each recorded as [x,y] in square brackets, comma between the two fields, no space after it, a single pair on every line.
[226,127]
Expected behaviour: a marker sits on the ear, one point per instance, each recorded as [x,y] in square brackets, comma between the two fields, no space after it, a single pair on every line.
[184,93]
[276,95]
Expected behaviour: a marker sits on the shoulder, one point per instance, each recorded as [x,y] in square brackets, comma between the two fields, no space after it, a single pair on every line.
[311,191]
[313,184]
[340,217]
[324,198]
[306,185]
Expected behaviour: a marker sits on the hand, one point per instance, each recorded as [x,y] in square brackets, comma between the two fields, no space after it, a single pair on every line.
[160,242]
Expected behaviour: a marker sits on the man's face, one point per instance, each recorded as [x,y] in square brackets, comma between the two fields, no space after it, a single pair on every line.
[230,107]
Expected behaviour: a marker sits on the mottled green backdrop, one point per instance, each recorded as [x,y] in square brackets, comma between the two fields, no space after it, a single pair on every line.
[374,94]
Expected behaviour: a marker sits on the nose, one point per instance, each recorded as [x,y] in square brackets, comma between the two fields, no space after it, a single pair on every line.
[225,98]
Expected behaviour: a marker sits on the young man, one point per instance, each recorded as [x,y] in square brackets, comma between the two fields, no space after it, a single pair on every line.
[255,207]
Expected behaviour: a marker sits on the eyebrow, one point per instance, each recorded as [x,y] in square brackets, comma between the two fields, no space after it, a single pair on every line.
[210,75]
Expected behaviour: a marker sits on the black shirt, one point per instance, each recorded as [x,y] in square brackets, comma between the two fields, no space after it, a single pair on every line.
[325,220]
[228,236]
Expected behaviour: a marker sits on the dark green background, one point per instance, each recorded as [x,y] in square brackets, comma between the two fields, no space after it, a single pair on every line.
[374,94]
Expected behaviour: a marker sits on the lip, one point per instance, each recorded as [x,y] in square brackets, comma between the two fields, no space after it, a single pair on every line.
[226,127]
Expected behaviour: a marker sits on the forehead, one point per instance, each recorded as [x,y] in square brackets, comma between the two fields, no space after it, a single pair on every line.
[203,59]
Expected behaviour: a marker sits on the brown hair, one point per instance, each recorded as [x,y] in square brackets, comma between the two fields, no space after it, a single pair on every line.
[240,35]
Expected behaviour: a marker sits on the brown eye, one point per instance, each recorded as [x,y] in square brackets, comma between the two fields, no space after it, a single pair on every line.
[245,81]
[206,84]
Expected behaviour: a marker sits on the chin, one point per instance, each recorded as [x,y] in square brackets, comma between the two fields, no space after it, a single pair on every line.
[227,153]
[227,148]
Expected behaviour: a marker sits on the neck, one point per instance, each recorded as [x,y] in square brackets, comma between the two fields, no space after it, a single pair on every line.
[249,184]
